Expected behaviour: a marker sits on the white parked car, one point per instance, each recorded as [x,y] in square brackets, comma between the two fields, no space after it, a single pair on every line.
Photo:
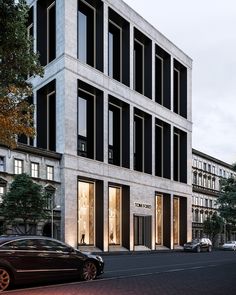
[230,245]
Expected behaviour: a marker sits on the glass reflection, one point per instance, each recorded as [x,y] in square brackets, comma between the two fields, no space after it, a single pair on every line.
[114,216]
[159,220]
[82,117]
[176,220]
[86,205]
[82,36]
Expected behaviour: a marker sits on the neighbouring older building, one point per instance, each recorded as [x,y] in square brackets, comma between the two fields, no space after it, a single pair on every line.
[44,168]
[115,102]
[207,172]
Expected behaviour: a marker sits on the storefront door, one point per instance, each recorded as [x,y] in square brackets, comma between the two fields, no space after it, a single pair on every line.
[142,230]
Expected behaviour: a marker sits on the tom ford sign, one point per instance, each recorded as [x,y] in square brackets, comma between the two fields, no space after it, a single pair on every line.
[142,205]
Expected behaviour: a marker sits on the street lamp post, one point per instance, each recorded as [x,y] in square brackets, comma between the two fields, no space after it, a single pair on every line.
[52,218]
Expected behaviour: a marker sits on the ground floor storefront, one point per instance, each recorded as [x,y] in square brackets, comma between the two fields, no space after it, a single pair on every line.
[116,217]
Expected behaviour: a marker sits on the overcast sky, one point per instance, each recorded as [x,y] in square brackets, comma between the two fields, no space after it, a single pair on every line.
[206,31]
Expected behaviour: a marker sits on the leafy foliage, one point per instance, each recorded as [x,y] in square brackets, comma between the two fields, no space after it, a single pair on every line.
[234,166]
[213,225]
[227,200]
[17,61]
[24,202]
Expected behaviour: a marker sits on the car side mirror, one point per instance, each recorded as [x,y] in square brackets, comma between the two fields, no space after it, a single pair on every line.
[70,250]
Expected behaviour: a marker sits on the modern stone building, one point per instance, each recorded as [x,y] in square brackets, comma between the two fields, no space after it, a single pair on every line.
[207,173]
[115,102]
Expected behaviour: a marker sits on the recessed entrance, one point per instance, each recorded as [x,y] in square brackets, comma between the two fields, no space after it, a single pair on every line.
[142,230]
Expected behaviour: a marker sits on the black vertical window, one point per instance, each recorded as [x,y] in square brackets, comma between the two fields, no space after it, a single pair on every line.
[159,150]
[118,48]
[162,77]
[176,156]
[90,122]
[22,138]
[51,32]
[159,79]
[138,143]
[176,91]
[30,23]
[180,89]
[86,124]
[46,30]
[51,121]
[180,155]
[114,52]
[114,151]
[46,117]
[162,149]
[138,66]
[86,32]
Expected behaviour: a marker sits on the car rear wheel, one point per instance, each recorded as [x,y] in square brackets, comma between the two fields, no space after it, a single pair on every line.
[5,279]
[209,249]
[89,271]
[198,249]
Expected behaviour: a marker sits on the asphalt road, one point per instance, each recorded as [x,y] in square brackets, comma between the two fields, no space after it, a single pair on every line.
[160,273]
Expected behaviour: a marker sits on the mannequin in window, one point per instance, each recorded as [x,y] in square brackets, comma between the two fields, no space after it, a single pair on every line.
[111,237]
[82,241]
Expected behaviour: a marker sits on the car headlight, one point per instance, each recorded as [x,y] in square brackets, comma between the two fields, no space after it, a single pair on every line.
[99,258]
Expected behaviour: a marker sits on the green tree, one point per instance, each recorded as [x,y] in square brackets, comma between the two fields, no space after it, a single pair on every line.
[24,203]
[234,166]
[17,61]
[212,226]
[227,201]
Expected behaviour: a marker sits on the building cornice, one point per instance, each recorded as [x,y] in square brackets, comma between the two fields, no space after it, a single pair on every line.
[210,158]
[36,151]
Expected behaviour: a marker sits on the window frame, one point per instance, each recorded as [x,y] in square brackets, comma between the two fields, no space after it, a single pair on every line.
[88,6]
[32,171]
[47,172]
[18,168]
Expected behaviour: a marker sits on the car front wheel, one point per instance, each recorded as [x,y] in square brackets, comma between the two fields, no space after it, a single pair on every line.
[5,279]
[89,271]
[198,249]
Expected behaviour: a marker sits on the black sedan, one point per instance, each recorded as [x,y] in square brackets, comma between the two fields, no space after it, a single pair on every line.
[27,259]
[198,245]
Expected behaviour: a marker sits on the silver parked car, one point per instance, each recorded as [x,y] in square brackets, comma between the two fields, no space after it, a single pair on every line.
[230,245]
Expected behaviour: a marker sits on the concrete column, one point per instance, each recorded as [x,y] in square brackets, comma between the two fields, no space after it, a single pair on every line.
[106,216]
[105,37]
[189,218]
[35,26]
[69,208]
[60,27]
[171,152]
[153,145]
[35,116]
[131,126]
[105,140]
[131,56]
[132,192]
[70,89]
[171,222]
[171,83]
[154,224]
[189,158]
[153,70]
[189,94]
[70,23]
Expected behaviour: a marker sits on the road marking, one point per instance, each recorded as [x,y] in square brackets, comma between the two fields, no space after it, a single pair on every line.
[111,278]
[163,266]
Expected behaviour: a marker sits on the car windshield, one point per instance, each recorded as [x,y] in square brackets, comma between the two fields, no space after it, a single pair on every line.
[230,242]
[195,241]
